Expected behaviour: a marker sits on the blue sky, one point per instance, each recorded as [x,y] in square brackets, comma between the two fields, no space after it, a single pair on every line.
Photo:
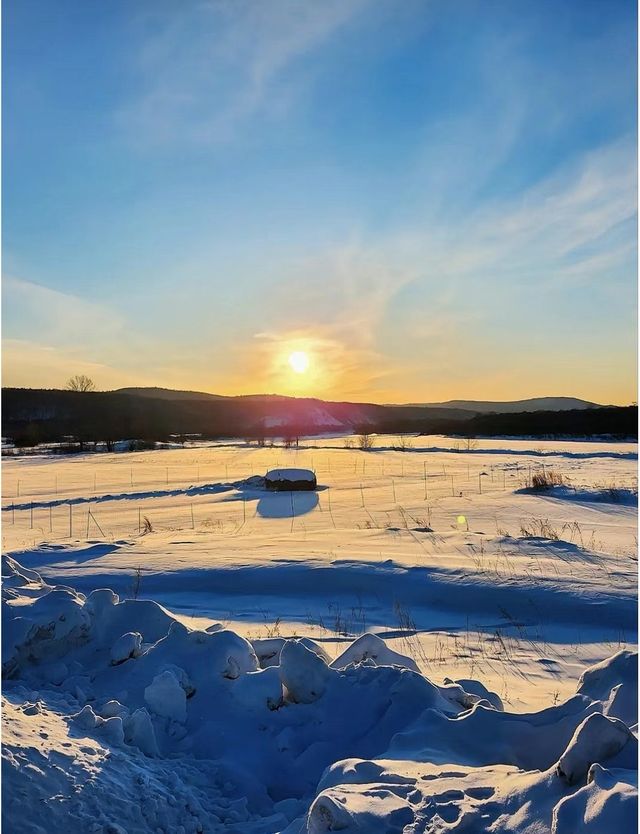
[431,199]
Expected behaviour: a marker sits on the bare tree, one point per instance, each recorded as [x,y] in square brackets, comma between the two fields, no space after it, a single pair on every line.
[80,382]
[365,441]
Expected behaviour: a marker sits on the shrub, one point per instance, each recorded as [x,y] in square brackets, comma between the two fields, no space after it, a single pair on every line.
[365,442]
[547,479]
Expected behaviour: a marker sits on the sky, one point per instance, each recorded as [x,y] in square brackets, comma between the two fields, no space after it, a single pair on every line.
[429,199]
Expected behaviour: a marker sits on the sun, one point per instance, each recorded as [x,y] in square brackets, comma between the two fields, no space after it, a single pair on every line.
[299,361]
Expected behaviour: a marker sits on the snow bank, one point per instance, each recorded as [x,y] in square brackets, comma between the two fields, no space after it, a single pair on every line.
[173,729]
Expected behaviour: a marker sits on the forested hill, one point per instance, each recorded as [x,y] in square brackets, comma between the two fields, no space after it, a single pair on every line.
[31,416]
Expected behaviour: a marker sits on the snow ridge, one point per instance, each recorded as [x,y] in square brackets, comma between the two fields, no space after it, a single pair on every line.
[119,719]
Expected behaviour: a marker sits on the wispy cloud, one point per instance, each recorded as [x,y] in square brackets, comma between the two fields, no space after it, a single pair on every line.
[415,207]
[58,318]
[430,302]
[206,71]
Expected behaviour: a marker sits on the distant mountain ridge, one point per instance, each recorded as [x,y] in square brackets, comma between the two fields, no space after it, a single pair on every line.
[515,406]
[476,406]
[30,416]
[168,393]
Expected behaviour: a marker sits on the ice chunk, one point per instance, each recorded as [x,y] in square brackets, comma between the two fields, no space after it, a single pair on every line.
[599,681]
[138,731]
[166,697]
[268,649]
[126,646]
[100,600]
[257,689]
[596,739]
[113,708]
[86,718]
[113,730]
[479,691]
[303,674]
[370,646]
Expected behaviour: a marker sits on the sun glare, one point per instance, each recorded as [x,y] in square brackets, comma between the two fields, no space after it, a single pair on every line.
[299,361]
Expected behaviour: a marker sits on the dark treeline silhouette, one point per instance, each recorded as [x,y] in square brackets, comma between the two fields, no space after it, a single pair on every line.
[32,416]
[617,422]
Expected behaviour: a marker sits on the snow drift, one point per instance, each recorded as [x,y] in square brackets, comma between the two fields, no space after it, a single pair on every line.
[118,718]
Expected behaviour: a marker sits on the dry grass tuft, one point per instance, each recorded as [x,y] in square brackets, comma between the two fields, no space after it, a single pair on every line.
[547,479]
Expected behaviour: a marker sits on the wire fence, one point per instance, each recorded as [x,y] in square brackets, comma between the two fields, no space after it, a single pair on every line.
[82,499]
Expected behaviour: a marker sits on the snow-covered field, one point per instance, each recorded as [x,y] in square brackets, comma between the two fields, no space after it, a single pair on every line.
[243,702]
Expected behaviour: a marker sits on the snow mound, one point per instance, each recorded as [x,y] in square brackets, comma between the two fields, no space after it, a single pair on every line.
[614,681]
[596,739]
[303,673]
[290,479]
[378,810]
[371,647]
[120,718]
[268,650]
[165,696]
[607,803]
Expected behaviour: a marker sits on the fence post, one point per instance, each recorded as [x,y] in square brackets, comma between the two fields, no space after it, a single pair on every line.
[333,521]
[70,520]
